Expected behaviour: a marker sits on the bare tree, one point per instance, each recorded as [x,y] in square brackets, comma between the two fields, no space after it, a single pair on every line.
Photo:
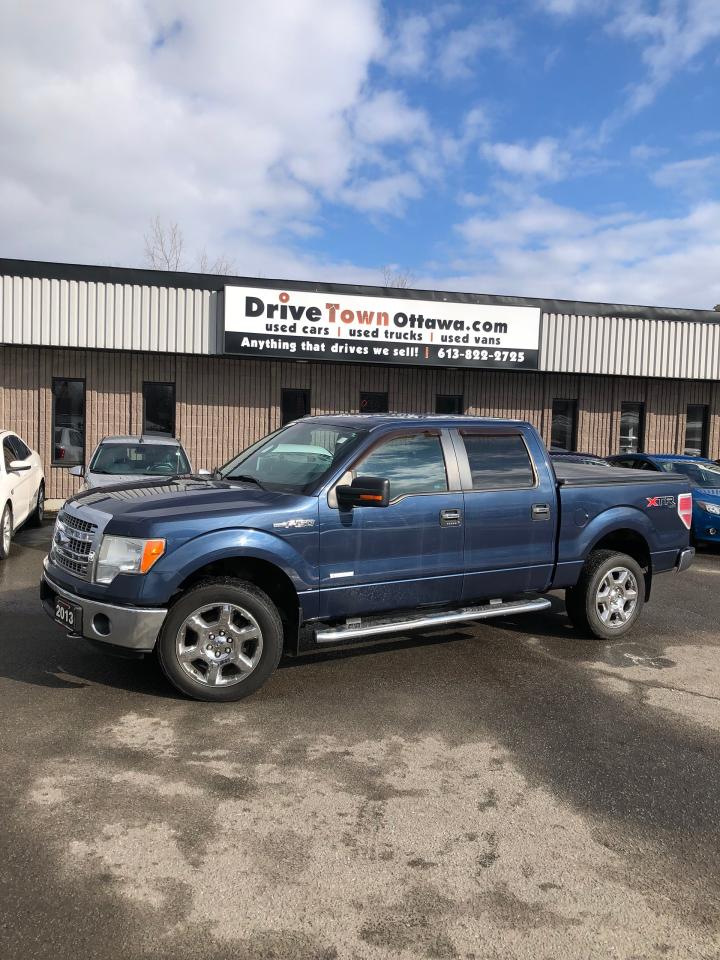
[221,264]
[164,243]
[393,277]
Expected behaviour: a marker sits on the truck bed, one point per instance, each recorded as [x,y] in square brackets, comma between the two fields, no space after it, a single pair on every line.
[589,475]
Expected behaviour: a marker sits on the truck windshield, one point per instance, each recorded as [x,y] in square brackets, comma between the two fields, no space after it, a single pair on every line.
[294,459]
[699,474]
[146,459]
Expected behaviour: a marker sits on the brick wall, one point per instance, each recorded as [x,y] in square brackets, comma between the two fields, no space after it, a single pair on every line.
[223,404]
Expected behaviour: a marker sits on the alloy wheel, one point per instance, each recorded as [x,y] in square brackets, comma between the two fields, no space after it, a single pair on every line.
[219,644]
[617,597]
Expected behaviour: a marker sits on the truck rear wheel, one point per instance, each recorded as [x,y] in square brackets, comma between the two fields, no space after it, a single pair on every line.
[608,597]
[221,641]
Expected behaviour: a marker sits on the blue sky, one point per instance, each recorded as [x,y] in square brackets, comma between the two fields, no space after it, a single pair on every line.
[560,148]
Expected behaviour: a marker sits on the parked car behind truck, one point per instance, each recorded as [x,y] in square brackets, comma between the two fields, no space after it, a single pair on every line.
[337,530]
[22,488]
[126,459]
[702,474]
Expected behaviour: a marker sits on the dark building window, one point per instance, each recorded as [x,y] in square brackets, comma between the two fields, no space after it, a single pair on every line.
[294,404]
[449,403]
[632,427]
[373,402]
[497,462]
[563,432]
[696,430]
[68,420]
[159,409]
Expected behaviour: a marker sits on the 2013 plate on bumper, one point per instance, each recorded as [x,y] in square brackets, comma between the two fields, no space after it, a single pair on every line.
[69,615]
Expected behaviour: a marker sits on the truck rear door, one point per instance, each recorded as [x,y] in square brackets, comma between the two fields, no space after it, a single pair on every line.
[510,511]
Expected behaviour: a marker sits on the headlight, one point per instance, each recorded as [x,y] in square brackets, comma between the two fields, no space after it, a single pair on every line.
[710,507]
[126,555]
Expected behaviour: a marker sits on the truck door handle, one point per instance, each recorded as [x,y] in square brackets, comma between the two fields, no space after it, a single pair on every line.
[450,518]
[540,511]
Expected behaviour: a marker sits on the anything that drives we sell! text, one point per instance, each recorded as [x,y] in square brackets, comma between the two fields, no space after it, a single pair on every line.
[307,325]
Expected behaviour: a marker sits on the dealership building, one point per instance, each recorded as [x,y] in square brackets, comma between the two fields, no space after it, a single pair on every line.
[219,361]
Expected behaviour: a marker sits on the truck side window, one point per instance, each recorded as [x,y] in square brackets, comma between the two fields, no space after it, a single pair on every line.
[497,462]
[412,465]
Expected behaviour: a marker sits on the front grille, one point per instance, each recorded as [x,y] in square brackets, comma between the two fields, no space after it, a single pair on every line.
[75,567]
[72,547]
[75,523]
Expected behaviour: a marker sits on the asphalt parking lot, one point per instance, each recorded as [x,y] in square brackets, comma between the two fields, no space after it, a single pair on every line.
[494,791]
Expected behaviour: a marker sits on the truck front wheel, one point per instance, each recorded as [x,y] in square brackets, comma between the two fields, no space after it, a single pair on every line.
[221,640]
[608,597]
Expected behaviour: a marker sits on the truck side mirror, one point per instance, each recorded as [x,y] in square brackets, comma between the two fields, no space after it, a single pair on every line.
[77,471]
[205,473]
[19,466]
[363,492]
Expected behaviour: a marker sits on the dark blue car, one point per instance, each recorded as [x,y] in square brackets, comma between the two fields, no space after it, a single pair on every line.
[704,478]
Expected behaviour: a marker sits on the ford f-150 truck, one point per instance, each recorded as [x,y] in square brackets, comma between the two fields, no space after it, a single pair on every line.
[342,529]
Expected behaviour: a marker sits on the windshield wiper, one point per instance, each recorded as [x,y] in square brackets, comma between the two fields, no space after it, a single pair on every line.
[247,479]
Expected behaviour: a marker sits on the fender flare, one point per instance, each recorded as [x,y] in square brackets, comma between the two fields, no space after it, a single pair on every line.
[616,519]
[233,543]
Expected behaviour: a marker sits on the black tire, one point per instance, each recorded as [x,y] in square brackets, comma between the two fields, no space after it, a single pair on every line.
[5,517]
[219,591]
[36,517]
[582,600]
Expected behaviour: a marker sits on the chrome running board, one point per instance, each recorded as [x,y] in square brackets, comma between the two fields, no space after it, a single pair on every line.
[375,628]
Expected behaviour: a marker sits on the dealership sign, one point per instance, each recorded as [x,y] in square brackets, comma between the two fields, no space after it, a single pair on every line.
[336,326]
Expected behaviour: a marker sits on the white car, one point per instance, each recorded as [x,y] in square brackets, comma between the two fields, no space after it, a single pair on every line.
[22,488]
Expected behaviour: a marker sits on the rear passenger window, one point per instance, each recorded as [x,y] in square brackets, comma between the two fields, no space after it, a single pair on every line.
[411,464]
[497,462]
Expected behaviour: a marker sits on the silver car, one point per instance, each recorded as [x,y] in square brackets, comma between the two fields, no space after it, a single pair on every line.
[128,459]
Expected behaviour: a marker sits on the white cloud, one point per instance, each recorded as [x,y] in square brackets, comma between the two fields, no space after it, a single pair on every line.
[569,8]
[671,34]
[644,153]
[544,249]
[237,120]
[387,117]
[384,195]
[544,159]
[461,50]
[409,50]
[693,175]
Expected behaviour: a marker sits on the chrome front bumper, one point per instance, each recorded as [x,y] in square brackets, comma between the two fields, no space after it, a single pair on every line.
[685,559]
[133,628]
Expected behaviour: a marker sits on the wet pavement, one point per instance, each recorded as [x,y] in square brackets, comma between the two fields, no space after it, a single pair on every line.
[504,790]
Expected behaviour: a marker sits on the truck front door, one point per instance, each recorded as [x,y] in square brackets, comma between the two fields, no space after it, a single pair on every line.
[407,554]
[510,511]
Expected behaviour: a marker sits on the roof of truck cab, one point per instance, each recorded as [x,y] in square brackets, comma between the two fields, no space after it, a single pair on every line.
[372,420]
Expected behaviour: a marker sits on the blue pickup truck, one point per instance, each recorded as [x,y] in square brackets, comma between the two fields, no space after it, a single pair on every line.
[341,529]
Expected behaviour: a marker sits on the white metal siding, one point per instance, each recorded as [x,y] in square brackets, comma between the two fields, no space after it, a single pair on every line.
[83,313]
[630,347]
[169,319]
